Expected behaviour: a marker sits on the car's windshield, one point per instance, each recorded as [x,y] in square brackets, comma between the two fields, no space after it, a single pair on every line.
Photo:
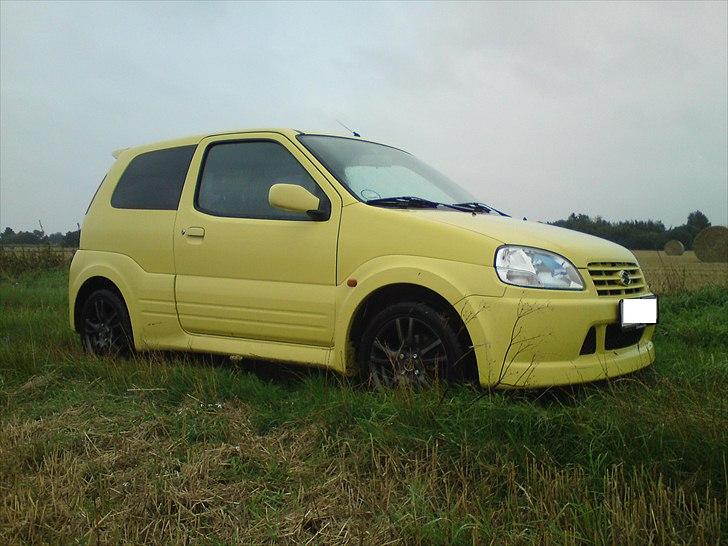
[373,171]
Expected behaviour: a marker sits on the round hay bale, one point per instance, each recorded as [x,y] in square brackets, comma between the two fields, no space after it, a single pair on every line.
[711,244]
[674,248]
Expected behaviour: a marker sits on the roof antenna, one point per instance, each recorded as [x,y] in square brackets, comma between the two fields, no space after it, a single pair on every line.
[345,127]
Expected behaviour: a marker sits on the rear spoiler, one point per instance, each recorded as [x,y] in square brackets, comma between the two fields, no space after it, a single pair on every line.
[117,153]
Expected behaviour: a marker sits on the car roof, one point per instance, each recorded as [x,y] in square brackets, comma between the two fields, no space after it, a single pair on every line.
[195,139]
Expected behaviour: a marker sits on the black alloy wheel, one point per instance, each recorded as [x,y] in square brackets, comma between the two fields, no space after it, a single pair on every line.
[408,345]
[105,328]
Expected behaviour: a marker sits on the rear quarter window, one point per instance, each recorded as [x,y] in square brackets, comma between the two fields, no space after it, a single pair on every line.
[153,180]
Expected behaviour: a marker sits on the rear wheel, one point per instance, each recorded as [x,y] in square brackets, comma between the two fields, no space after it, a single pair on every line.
[409,344]
[105,328]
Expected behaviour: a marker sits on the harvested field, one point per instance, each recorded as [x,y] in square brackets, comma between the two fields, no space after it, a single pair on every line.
[670,274]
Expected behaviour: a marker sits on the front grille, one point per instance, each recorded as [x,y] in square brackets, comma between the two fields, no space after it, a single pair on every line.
[608,282]
[616,338]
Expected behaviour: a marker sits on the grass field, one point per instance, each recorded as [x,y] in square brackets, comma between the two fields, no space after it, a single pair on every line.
[184,449]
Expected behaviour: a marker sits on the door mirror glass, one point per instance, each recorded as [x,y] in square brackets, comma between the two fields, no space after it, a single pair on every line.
[295,198]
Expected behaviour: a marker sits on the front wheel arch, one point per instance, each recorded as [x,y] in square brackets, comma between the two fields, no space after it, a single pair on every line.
[404,292]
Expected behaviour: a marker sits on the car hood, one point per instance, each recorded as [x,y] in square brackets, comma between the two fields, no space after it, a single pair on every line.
[579,248]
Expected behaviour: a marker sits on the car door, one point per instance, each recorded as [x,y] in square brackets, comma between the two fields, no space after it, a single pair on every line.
[243,268]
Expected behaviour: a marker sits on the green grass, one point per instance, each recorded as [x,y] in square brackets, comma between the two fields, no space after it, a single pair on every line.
[184,448]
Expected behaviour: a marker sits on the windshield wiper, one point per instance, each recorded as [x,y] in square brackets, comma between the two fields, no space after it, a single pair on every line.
[408,201]
[404,201]
[474,206]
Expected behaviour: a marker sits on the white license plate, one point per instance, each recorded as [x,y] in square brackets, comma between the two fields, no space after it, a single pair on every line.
[638,311]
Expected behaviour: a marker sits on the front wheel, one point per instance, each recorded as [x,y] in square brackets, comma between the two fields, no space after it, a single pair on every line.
[105,327]
[409,344]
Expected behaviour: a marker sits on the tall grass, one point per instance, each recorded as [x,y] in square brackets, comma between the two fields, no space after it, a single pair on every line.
[184,448]
[15,261]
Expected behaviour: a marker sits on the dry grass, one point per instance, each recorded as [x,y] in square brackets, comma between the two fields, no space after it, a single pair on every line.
[103,479]
[670,274]
[16,260]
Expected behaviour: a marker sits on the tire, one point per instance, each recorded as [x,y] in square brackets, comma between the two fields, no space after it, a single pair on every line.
[409,344]
[104,325]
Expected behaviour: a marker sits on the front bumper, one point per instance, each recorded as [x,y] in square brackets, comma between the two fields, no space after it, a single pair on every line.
[538,338]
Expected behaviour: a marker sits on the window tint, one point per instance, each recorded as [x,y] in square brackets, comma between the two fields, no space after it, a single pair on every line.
[153,180]
[237,176]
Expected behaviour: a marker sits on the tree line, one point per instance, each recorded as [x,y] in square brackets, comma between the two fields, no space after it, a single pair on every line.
[633,234]
[39,237]
[637,234]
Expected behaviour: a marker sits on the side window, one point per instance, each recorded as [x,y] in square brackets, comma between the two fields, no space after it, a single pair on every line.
[153,180]
[237,176]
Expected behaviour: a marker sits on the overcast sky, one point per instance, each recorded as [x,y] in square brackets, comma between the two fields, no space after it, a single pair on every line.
[540,109]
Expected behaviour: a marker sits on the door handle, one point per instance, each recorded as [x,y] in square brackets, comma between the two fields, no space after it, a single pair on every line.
[193,232]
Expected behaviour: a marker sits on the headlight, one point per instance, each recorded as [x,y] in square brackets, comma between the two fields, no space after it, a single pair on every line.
[535,268]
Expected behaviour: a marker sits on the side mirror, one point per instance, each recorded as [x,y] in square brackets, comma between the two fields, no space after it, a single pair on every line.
[295,198]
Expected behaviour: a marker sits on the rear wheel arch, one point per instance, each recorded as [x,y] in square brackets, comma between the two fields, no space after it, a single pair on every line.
[88,287]
[392,294]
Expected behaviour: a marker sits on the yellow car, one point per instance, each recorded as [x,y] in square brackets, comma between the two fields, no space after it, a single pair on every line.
[346,254]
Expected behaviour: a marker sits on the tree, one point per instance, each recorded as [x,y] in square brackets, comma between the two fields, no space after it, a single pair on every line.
[683,234]
[72,239]
[7,236]
[55,238]
[698,221]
